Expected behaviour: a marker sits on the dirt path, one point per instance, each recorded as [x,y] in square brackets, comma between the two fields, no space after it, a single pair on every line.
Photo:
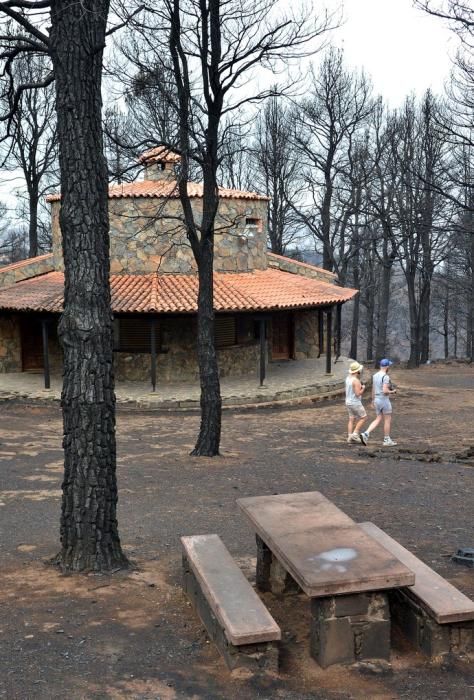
[134,635]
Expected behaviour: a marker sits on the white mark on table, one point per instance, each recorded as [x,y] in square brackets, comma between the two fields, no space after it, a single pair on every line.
[334,559]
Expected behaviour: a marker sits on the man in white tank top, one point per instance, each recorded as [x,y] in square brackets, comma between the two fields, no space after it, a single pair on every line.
[381,390]
[354,391]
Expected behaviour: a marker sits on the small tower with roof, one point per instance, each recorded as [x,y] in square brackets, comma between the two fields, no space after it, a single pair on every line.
[160,164]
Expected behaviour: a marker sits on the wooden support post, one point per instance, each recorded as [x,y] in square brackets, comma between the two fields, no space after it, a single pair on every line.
[338,331]
[328,340]
[320,332]
[153,352]
[262,351]
[44,329]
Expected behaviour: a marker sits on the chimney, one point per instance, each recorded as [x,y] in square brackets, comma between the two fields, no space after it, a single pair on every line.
[160,164]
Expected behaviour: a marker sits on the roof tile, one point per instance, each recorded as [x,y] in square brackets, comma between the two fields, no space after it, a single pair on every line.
[166,189]
[247,291]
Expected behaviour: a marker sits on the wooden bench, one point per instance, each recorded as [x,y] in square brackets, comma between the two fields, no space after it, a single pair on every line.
[234,616]
[433,614]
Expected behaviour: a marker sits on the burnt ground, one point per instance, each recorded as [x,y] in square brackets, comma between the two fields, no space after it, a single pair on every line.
[133,635]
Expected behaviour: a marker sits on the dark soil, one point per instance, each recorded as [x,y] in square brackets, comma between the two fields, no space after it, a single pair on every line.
[134,635]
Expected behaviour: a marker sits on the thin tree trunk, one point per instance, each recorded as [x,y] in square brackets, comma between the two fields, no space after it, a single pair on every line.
[33,222]
[356,306]
[211,403]
[89,530]
[446,311]
[384,301]
[413,360]
[425,302]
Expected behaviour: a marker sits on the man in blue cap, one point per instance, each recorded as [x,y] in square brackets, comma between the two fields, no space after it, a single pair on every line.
[381,390]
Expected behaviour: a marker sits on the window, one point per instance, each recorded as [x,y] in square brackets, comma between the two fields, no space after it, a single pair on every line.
[247,330]
[253,226]
[225,331]
[134,335]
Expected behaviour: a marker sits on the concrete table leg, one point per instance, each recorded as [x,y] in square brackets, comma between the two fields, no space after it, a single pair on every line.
[264,562]
[350,628]
[271,575]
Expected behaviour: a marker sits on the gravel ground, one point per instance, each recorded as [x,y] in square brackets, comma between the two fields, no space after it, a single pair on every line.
[134,635]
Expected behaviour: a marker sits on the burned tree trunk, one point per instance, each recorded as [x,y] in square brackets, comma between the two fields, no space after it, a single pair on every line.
[211,403]
[89,532]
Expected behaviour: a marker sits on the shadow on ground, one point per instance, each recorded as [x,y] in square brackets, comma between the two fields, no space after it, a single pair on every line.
[134,635]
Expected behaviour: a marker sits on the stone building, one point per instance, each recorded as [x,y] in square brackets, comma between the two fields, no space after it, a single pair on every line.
[268,307]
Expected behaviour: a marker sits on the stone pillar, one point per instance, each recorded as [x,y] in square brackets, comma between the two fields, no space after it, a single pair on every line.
[350,628]
[271,575]
[425,633]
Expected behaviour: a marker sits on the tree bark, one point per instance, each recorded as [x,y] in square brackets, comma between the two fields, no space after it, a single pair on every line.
[355,308]
[33,198]
[211,403]
[89,530]
[384,301]
[425,304]
[414,358]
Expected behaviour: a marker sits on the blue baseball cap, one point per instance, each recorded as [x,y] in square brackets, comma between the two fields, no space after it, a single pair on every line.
[385,363]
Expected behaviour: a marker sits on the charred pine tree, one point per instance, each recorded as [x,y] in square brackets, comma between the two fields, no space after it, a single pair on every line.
[214,45]
[89,531]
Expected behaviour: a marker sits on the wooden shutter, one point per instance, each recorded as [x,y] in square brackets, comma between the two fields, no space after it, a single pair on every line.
[225,331]
[134,335]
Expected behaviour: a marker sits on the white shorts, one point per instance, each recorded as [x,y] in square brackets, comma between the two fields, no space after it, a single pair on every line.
[356,410]
[382,405]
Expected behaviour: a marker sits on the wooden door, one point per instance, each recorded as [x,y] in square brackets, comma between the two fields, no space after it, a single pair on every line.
[282,336]
[31,345]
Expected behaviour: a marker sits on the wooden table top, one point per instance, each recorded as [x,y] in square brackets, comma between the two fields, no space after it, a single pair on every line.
[325,551]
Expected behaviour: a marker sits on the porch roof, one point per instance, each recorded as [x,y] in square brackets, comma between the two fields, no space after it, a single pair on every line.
[261,290]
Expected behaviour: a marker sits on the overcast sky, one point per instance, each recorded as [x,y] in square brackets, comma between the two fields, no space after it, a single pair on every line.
[402,48]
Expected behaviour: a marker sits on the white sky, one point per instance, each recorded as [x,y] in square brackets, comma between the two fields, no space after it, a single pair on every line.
[401,48]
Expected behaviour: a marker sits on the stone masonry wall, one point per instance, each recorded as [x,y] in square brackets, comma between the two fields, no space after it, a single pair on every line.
[178,359]
[16,272]
[10,345]
[147,235]
[280,262]
[306,335]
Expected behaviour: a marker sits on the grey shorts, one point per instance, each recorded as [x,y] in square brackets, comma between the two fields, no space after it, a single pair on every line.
[383,405]
[356,410]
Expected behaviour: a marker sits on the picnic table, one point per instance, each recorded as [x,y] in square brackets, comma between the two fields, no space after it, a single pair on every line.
[305,543]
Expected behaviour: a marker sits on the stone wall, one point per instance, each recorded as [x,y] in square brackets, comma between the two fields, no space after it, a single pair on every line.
[280,262]
[307,335]
[177,360]
[147,235]
[10,344]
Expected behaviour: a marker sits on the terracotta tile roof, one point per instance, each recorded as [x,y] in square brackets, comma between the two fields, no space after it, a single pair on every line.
[25,263]
[251,291]
[169,190]
[160,154]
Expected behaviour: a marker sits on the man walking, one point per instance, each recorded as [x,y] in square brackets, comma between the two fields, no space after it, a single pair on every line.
[381,390]
[354,391]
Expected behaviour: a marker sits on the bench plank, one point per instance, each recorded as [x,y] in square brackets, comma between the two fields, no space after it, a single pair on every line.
[234,602]
[442,599]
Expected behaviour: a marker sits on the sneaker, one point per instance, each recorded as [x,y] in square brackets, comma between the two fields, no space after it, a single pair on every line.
[354,438]
[388,442]
[364,438]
